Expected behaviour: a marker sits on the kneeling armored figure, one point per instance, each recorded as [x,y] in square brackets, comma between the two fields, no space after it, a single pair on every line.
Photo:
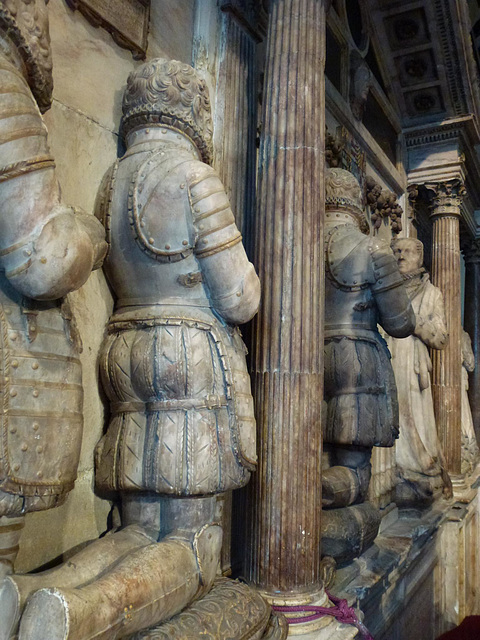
[363,288]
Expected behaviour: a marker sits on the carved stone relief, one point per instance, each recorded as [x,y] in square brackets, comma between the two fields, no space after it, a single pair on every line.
[420,464]
[363,288]
[126,21]
[383,205]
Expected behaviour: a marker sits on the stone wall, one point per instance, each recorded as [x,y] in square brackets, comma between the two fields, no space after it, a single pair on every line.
[90,72]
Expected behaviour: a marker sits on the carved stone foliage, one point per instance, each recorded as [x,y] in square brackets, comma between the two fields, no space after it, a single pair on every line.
[446,197]
[126,21]
[383,204]
[333,149]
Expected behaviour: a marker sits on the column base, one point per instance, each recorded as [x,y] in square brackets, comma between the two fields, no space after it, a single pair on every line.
[463,489]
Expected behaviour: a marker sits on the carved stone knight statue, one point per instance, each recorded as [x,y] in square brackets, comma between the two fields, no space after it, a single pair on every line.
[420,465]
[46,250]
[363,288]
[182,427]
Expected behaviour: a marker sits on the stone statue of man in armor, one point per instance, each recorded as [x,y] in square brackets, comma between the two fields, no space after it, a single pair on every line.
[47,249]
[182,427]
[363,288]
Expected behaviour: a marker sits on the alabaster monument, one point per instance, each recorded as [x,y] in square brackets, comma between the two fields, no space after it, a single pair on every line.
[182,428]
[420,465]
[470,451]
[363,288]
[47,249]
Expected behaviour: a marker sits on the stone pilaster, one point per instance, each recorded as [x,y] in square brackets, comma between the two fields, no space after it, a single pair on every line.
[446,198]
[237,84]
[283,557]
[471,323]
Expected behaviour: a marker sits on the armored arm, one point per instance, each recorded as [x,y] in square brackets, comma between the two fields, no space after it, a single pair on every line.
[395,311]
[46,248]
[233,285]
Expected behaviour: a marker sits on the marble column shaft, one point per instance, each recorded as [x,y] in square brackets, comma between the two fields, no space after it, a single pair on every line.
[283,555]
[447,364]
[471,324]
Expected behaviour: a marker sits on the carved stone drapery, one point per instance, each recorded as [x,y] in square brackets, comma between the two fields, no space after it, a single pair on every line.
[471,253]
[446,198]
[287,354]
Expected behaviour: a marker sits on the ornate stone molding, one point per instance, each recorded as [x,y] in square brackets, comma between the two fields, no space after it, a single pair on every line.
[125,20]
[445,197]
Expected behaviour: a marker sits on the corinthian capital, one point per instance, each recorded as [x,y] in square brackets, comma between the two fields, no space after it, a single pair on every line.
[446,197]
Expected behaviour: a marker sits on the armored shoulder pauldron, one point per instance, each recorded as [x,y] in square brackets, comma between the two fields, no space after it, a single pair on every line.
[347,258]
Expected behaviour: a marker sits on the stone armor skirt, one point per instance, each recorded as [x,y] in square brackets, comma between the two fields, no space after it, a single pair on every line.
[42,395]
[360,391]
[182,412]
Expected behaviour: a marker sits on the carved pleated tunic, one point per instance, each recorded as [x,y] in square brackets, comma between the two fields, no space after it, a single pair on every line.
[174,370]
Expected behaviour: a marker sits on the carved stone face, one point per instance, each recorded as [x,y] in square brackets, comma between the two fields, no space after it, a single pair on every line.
[408,253]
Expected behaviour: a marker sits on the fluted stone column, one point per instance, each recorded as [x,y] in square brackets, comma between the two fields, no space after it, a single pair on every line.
[471,323]
[447,364]
[287,351]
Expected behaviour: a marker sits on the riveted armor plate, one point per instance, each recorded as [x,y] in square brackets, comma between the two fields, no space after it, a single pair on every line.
[165,237]
[41,418]
[348,263]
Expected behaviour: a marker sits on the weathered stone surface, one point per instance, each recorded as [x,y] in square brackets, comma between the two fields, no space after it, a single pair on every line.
[420,462]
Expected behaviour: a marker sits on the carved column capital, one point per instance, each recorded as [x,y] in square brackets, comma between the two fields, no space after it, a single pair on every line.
[445,197]
[471,250]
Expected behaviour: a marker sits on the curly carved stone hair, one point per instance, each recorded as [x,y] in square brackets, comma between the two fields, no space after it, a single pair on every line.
[26,23]
[171,93]
[343,191]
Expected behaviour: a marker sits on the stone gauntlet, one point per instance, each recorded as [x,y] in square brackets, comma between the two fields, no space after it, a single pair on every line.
[395,311]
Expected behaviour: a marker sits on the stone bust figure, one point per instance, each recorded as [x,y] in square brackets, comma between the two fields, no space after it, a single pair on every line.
[420,467]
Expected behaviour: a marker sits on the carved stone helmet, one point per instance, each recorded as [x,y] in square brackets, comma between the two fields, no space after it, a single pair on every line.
[26,24]
[169,92]
[343,193]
